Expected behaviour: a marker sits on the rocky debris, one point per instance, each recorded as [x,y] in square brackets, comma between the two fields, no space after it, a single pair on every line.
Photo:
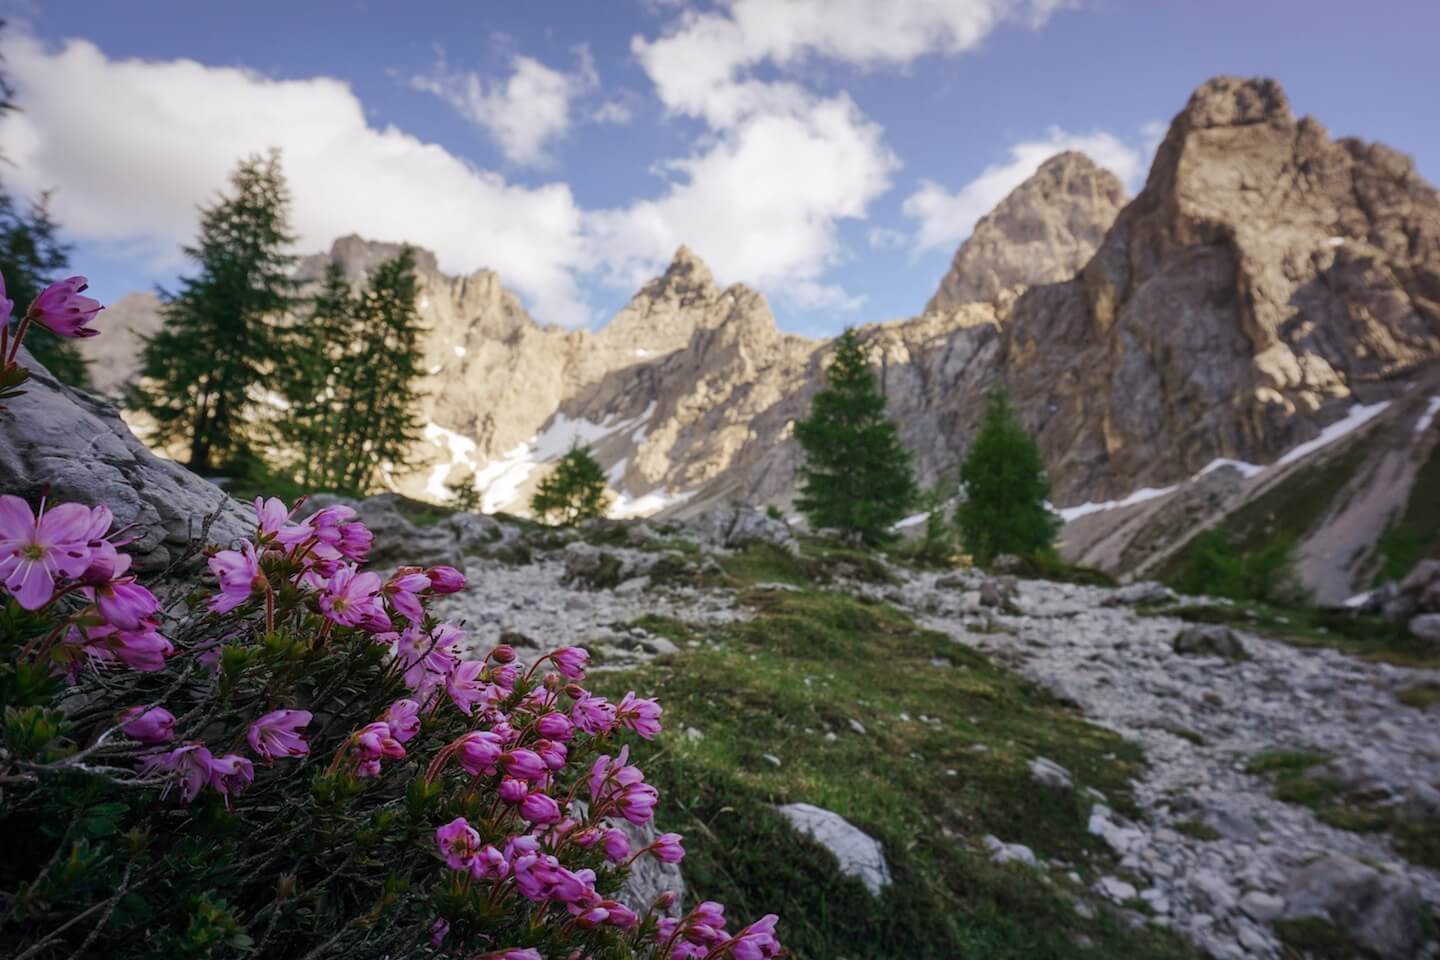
[857,854]
[1144,593]
[1002,852]
[78,445]
[1379,912]
[649,877]
[397,540]
[618,568]
[1426,627]
[736,523]
[1045,230]
[998,591]
[1420,589]
[1205,817]
[1209,640]
[1115,889]
[1051,774]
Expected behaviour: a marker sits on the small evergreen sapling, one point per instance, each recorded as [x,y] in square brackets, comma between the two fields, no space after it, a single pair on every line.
[856,478]
[574,490]
[1005,507]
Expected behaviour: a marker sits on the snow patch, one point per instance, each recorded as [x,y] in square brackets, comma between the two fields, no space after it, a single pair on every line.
[461,449]
[1071,514]
[1359,600]
[459,350]
[1432,407]
[1247,470]
[1359,415]
[626,506]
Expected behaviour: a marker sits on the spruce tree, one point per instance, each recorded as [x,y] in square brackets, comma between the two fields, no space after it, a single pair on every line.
[221,338]
[1005,489]
[856,478]
[377,392]
[313,380]
[573,491]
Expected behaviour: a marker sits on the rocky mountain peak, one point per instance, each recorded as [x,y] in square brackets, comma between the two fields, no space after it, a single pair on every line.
[687,279]
[1236,102]
[1042,232]
[359,256]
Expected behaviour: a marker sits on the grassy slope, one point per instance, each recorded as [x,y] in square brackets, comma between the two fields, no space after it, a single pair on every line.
[1415,535]
[808,664]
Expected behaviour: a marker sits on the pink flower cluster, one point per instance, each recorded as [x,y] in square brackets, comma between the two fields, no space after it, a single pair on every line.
[69,550]
[534,748]
[60,309]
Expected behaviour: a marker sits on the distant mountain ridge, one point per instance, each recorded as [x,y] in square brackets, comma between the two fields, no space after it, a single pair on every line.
[1264,281]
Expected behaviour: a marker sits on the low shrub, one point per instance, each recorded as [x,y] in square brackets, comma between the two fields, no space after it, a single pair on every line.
[301,764]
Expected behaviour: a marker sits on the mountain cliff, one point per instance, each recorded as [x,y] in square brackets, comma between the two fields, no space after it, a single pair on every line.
[1265,283]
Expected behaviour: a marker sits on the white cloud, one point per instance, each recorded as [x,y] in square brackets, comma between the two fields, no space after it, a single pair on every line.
[947,218]
[884,238]
[523,113]
[134,146]
[613,112]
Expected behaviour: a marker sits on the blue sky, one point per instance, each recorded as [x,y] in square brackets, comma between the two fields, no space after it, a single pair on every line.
[829,152]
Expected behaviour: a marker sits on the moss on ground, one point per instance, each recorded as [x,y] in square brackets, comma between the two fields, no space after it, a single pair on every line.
[1415,534]
[943,761]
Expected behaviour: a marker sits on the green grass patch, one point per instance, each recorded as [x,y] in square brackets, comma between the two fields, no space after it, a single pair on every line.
[1368,638]
[789,683]
[1317,938]
[1197,829]
[1422,696]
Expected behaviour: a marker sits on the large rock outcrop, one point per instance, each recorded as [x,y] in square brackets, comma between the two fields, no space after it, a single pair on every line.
[1044,231]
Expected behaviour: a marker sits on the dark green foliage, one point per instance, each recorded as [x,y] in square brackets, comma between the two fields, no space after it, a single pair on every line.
[1415,534]
[314,379]
[221,339]
[1215,567]
[856,479]
[573,491]
[936,544]
[1005,488]
[464,495]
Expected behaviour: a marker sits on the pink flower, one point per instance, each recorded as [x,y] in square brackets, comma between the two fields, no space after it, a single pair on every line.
[639,714]
[617,845]
[402,589]
[667,848]
[231,774]
[143,650]
[593,715]
[438,931]
[190,763]
[403,719]
[7,307]
[445,579]
[350,596]
[555,726]
[636,803]
[374,741]
[540,808]
[504,653]
[523,764]
[270,516]
[513,791]
[571,661]
[427,659]
[277,734]
[239,574]
[489,864]
[61,310]
[155,725]
[478,752]
[466,687]
[620,915]
[554,754]
[757,941]
[528,953]
[34,551]
[123,603]
[458,843]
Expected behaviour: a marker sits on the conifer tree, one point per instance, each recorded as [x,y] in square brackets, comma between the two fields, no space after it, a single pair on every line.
[221,337]
[856,478]
[573,491]
[1004,509]
[312,378]
[377,391]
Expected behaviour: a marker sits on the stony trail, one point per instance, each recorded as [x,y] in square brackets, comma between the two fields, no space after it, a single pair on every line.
[1199,720]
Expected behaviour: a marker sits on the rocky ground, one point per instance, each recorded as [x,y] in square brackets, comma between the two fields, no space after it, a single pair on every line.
[1202,718]
[1216,856]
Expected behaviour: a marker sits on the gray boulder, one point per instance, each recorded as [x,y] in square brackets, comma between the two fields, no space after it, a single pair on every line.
[999,591]
[1421,587]
[1379,912]
[1208,639]
[474,531]
[1051,774]
[1144,592]
[858,854]
[398,541]
[736,523]
[57,435]
[1426,627]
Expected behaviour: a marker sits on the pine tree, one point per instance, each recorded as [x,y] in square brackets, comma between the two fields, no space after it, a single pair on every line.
[1004,509]
[221,338]
[312,378]
[377,392]
[573,491]
[856,478]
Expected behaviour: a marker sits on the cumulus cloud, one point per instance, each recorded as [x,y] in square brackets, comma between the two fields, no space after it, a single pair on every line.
[523,113]
[763,200]
[135,146]
[946,218]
